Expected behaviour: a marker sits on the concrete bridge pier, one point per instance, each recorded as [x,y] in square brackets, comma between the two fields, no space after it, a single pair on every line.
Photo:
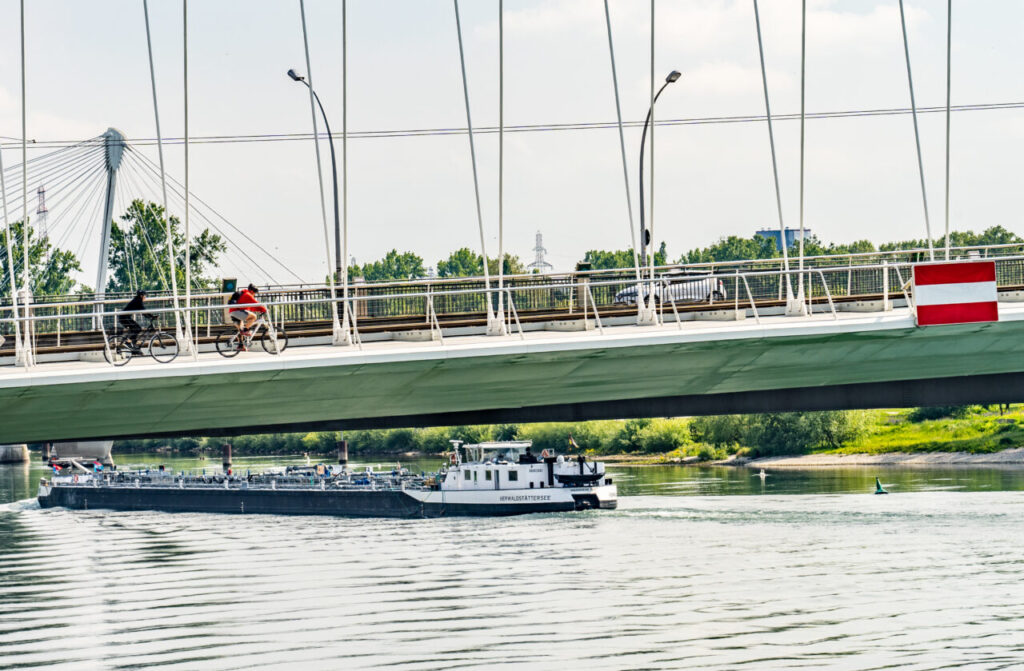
[13,454]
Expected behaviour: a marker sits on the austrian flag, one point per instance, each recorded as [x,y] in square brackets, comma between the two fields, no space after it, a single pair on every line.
[956,293]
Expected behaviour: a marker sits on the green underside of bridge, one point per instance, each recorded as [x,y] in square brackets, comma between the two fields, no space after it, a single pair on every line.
[298,396]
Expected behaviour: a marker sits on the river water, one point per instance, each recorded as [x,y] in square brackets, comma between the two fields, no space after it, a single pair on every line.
[699,568]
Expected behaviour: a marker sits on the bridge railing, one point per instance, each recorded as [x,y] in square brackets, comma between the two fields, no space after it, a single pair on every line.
[430,305]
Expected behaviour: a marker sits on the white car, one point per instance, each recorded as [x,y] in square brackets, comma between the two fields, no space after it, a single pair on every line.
[679,290]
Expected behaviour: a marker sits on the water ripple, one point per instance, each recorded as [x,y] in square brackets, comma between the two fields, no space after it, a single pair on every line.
[915,581]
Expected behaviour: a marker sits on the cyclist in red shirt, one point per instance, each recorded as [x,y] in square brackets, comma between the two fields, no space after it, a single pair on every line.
[245,310]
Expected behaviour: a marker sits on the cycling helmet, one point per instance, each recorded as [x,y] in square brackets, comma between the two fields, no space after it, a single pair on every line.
[253,288]
[141,293]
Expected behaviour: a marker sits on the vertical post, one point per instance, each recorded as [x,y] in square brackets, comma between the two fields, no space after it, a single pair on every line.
[501,169]
[949,81]
[188,232]
[885,285]
[344,167]
[343,452]
[803,87]
[26,279]
[650,256]
[225,450]
[26,352]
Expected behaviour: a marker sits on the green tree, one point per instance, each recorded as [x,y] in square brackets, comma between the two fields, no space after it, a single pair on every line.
[464,262]
[138,251]
[994,235]
[394,266]
[601,259]
[733,248]
[50,269]
[513,265]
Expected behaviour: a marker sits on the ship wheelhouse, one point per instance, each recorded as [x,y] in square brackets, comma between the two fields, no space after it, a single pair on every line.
[504,465]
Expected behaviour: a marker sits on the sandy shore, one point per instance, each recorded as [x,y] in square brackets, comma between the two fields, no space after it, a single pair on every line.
[1006,457]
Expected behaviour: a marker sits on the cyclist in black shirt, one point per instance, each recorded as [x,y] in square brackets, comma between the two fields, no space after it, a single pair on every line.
[128,322]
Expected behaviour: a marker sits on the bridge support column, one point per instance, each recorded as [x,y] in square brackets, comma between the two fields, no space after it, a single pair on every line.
[343,452]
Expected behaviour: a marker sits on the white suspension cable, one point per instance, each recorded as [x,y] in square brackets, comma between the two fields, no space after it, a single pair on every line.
[917,135]
[320,174]
[188,232]
[650,218]
[501,163]
[803,114]
[163,182]
[622,143]
[472,155]
[27,357]
[949,81]
[344,167]
[775,169]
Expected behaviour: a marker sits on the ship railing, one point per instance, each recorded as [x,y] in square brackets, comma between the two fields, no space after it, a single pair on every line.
[587,299]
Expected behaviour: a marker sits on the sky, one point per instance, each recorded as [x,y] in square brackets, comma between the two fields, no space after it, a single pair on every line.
[87,70]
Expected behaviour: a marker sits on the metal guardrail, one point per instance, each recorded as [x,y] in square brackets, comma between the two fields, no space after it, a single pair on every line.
[434,305]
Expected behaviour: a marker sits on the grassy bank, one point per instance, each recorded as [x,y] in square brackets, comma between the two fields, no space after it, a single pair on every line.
[975,430]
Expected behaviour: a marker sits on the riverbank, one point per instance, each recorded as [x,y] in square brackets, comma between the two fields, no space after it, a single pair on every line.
[1010,457]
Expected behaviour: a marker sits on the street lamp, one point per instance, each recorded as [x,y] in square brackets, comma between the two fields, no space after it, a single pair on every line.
[334,175]
[645,235]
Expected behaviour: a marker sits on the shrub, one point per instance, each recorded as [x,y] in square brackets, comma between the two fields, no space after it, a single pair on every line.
[664,435]
[721,430]
[939,412]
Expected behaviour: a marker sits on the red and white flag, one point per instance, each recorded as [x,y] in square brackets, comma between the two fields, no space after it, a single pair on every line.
[956,293]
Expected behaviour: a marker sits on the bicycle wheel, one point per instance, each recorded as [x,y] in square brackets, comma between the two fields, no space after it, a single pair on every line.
[118,351]
[227,343]
[163,347]
[272,345]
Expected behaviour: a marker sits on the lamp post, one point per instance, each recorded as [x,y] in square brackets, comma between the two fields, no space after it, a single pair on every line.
[645,235]
[334,176]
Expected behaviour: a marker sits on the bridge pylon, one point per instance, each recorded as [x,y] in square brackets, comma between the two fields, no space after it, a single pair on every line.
[114,145]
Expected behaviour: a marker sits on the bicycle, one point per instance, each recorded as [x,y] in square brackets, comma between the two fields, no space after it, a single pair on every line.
[273,341]
[120,348]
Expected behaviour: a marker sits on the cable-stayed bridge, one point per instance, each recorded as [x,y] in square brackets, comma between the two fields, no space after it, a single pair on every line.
[797,332]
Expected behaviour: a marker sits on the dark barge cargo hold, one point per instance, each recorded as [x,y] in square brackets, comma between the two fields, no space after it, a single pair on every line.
[496,479]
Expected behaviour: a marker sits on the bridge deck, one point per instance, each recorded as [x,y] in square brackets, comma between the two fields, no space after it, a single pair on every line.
[481,378]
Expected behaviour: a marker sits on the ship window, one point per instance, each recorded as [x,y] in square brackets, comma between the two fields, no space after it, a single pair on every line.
[531,485]
[487,475]
[474,476]
[542,485]
[468,476]
[513,476]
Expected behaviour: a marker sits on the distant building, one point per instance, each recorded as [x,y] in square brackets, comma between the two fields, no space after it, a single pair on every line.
[792,236]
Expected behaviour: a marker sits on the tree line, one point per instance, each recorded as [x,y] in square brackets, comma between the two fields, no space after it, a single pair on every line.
[702,437]
[139,256]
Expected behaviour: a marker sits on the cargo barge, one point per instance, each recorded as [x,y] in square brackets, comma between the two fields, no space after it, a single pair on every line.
[486,479]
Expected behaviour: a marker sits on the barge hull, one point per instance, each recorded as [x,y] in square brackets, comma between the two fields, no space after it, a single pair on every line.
[367,503]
